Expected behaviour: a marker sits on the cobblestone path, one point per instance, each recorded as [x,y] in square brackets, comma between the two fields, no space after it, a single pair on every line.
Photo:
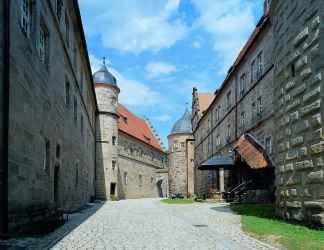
[149,224]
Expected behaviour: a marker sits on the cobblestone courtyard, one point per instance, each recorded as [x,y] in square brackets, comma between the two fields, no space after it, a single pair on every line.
[148,224]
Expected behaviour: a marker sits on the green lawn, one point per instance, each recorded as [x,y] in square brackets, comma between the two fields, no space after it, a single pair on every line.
[261,222]
[177,201]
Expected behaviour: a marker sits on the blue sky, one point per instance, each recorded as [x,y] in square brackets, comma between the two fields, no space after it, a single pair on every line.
[160,49]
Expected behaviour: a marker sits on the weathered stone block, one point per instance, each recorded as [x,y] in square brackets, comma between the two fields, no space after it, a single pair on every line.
[294,116]
[315,177]
[289,167]
[316,204]
[318,148]
[306,73]
[316,120]
[291,155]
[317,79]
[304,165]
[301,62]
[297,91]
[316,22]
[311,94]
[303,152]
[297,141]
[301,36]
[290,85]
[319,162]
[294,204]
[311,107]
[293,105]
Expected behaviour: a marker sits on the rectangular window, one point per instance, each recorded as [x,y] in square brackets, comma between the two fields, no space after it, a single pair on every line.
[218,142]
[67,30]
[26,17]
[43,43]
[260,106]
[75,110]
[140,180]
[113,165]
[253,71]
[47,155]
[125,178]
[59,7]
[260,65]
[243,118]
[67,94]
[228,131]
[58,151]
[228,100]
[114,139]
[242,87]
[76,174]
[268,145]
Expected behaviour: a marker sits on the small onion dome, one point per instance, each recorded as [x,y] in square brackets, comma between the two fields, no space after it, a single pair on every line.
[183,126]
[103,76]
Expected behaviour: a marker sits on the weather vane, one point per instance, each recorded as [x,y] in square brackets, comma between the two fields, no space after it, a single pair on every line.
[104,60]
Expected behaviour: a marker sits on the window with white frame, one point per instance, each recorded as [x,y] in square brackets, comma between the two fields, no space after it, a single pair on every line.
[259,65]
[260,105]
[268,144]
[242,85]
[26,16]
[253,71]
[43,43]
[228,100]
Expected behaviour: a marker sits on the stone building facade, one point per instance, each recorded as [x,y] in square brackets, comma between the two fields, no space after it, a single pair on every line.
[52,110]
[181,157]
[299,150]
[243,104]
[131,162]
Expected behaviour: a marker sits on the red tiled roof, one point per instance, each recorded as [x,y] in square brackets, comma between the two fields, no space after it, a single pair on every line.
[205,99]
[136,127]
[252,152]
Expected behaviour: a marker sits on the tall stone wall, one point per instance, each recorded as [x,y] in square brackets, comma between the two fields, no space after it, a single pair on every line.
[142,171]
[299,147]
[51,140]
[178,164]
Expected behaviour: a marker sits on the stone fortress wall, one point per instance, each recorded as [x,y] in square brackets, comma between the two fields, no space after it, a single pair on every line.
[299,146]
[52,112]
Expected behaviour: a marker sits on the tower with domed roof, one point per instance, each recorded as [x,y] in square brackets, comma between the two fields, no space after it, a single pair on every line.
[107,93]
[181,157]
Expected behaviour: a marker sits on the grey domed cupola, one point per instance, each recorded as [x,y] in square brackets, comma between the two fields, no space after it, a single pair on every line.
[183,125]
[103,76]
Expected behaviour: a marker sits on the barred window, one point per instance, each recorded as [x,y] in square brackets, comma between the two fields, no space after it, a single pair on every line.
[268,144]
[26,17]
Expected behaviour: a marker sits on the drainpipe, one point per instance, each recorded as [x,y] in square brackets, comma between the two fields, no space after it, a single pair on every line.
[5,130]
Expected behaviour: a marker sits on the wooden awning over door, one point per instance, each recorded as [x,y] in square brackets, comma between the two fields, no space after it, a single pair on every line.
[252,152]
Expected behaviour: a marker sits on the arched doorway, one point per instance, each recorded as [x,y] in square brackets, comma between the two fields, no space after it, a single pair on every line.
[159,188]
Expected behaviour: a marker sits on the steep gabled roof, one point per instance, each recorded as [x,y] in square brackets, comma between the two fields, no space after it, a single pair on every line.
[205,99]
[136,127]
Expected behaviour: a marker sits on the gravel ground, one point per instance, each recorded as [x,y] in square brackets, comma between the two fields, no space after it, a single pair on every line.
[148,224]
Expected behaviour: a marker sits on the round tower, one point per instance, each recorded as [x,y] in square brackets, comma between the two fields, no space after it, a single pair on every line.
[181,157]
[107,93]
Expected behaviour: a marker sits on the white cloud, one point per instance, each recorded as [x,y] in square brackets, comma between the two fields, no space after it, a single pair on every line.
[229,22]
[133,25]
[156,69]
[196,44]
[133,93]
[162,118]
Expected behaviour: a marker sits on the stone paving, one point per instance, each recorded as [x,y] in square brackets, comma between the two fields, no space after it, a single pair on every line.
[148,224]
